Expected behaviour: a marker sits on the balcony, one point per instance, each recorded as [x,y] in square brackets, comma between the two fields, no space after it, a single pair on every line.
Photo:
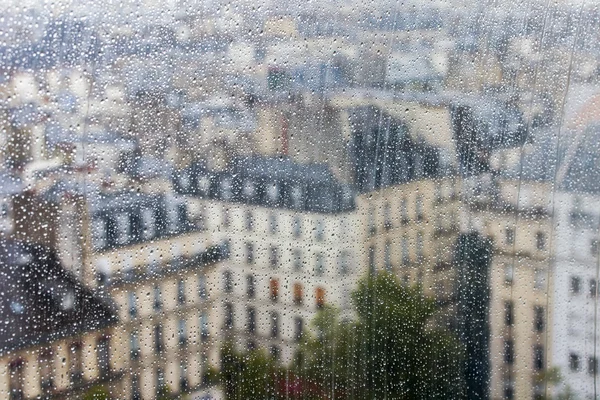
[210,256]
[78,390]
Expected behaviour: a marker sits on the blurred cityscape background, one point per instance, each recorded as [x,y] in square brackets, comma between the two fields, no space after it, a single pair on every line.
[310,201]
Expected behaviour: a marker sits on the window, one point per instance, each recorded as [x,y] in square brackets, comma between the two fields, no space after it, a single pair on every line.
[509,355]
[160,381]
[225,217]
[183,380]
[320,297]
[132,300]
[538,357]
[575,285]
[134,345]
[574,362]
[387,216]
[297,259]
[182,332]
[344,263]
[388,256]
[274,289]
[508,274]
[136,393]
[181,292]
[251,320]
[158,338]
[361,170]
[249,221]
[16,379]
[540,240]
[46,371]
[227,282]
[509,236]
[249,253]
[135,226]
[103,356]
[297,227]
[509,389]
[539,316]
[298,293]
[273,226]
[157,305]
[274,324]
[508,313]
[250,292]
[419,207]
[298,328]
[274,257]
[592,365]
[319,264]
[272,193]
[539,279]
[76,363]
[320,230]
[372,225]
[202,287]
[405,251]
[182,217]
[420,246]
[204,331]
[275,352]
[228,312]
[404,211]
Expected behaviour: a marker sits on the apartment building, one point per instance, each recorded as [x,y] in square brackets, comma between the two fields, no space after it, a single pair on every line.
[293,233]
[410,230]
[151,254]
[575,294]
[517,218]
[55,338]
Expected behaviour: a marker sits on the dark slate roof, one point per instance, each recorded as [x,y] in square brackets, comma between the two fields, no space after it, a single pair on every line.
[40,302]
[9,184]
[26,115]
[583,170]
[578,158]
[383,153]
[276,182]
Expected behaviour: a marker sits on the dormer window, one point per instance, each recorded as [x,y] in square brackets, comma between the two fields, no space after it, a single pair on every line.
[272,192]
[296,197]
[249,189]
[184,181]
[148,226]
[226,189]
[204,185]
[68,301]
[17,307]
[99,233]
[24,258]
[123,226]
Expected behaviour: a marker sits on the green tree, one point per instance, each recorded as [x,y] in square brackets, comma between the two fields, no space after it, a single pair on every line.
[96,393]
[388,349]
[391,350]
[250,375]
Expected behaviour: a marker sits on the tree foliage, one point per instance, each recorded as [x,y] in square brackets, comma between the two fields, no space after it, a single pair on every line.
[96,393]
[388,349]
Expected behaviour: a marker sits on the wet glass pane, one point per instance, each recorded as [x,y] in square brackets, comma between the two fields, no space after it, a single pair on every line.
[322,200]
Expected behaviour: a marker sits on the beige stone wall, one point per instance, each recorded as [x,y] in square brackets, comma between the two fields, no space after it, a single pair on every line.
[60,361]
[530,286]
